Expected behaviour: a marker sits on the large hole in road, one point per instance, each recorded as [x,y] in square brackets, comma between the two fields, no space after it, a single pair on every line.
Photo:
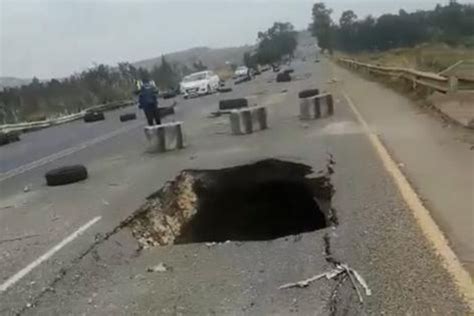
[261,201]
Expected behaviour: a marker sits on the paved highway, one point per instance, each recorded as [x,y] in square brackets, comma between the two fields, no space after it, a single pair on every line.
[46,233]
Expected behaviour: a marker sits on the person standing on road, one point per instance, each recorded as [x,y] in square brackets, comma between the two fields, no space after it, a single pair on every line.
[148,101]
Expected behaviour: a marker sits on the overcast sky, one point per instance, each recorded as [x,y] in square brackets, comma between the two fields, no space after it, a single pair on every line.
[54,38]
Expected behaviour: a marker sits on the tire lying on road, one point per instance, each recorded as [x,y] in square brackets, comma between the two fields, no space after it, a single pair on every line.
[13,137]
[223,90]
[283,77]
[165,111]
[308,93]
[9,137]
[94,117]
[240,80]
[66,175]
[128,117]
[231,104]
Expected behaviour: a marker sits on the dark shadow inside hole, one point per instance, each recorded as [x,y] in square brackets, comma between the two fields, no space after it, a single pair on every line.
[253,210]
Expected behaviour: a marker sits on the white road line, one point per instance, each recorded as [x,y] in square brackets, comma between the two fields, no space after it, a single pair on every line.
[20,274]
[63,153]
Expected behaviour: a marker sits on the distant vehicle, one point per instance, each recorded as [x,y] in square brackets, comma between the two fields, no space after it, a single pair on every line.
[241,72]
[199,83]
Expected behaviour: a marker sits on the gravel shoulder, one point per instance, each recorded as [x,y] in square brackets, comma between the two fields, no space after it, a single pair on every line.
[437,158]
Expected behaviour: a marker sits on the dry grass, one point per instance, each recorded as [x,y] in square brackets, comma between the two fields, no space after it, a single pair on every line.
[427,57]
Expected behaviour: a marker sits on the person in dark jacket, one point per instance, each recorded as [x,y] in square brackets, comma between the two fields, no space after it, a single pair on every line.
[148,102]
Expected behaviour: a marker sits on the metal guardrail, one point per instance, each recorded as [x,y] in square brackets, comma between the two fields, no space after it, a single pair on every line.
[426,79]
[27,126]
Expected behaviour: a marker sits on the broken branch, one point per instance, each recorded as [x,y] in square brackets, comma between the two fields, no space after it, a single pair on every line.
[304,283]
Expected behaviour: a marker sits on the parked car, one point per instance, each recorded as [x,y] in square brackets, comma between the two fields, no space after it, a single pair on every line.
[199,83]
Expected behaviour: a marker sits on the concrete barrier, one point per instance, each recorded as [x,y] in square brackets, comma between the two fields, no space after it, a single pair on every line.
[248,120]
[317,106]
[164,137]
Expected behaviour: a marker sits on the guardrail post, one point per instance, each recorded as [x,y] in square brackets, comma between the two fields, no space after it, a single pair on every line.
[453,84]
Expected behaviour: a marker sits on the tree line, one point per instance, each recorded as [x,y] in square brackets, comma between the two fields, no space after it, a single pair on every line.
[97,85]
[452,24]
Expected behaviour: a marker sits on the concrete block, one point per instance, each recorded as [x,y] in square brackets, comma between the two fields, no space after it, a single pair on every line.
[316,107]
[164,137]
[248,120]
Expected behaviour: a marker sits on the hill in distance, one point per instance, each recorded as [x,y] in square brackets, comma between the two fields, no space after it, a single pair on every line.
[213,58]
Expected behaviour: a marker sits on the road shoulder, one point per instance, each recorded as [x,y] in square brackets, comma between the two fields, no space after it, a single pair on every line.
[424,152]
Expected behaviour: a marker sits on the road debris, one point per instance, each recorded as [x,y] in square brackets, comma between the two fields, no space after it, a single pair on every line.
[304,283]
[351,278]
[340,268]
[161,267]
[26,188]
[362,282]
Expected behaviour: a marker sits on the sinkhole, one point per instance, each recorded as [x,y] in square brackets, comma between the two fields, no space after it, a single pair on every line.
[260,201]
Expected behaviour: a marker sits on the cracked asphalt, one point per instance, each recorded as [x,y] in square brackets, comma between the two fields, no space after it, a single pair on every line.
[103,273]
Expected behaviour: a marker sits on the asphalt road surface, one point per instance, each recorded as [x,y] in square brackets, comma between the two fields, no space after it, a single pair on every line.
[54,260]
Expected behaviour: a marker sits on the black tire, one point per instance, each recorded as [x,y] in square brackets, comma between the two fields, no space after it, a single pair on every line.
[128,117]
[233,104]
[308,93]
[66,175]
[166,111]
[238,81]
[13,137]
[3,139]
[94,117]
[10,137]
[283,77]
[289,71]
[223,90]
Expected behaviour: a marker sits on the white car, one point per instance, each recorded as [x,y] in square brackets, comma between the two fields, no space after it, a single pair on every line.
[199,83]
[241,72]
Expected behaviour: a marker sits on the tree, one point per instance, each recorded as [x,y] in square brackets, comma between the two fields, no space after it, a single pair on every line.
[347,30]
[452,24]
[277,42]
[322,26]
[165,76]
